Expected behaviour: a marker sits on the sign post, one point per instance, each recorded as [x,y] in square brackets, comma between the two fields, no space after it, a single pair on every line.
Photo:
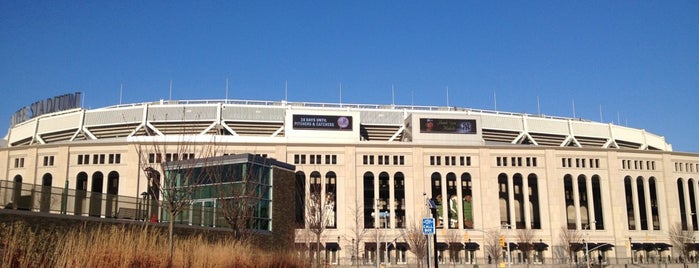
[428,226]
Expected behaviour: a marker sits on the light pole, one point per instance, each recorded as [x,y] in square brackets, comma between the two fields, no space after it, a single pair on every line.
[631,250]
[354,251]
[376,226]
[507,243]
[587,249]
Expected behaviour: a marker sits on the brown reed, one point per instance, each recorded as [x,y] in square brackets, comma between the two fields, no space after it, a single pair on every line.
[113,246]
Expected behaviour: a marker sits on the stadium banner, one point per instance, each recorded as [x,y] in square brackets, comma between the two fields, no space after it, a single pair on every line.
[322,122]
[49,105]
[456,126]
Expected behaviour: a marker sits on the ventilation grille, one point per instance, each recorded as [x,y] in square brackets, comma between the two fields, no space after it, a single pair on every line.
[492,135]
[256,128]
[379,133]
[548,139]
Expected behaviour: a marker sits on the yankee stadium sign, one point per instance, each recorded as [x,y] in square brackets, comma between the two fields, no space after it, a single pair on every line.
[50,105]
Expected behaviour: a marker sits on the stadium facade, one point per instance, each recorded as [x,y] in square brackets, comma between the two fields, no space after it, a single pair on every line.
[620,187]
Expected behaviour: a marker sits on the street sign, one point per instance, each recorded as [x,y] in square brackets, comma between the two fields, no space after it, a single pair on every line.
[428,226]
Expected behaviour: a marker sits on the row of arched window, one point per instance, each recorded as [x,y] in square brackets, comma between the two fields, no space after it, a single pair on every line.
[383,200]
[96,193]
[642,196]
[687,197]
[583,198]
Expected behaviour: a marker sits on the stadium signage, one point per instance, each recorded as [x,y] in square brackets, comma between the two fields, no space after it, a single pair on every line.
[456,126]
[322,122]
[50,105]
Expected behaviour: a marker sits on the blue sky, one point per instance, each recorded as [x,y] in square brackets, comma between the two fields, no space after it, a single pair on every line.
[637,60]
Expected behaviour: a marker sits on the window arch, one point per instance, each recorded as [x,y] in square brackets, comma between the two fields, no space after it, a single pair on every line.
[692,203]
[628,189]
[96,194]
[533,184]
[368,187]
[642,213]
[45,200]
[571,215]
[518,188]
[597,200]
[504,196]
[436,183]
[654,208]
[331,199]
[16,190]
[453,203]
[467,205]
[399,193]
[683,208]
[112,192]
[384,197]
[584,201]
[80,193]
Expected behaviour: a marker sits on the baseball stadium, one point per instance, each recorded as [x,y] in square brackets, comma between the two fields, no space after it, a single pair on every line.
[524,188]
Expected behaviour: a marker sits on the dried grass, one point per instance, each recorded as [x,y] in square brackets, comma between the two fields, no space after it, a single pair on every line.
[126,247]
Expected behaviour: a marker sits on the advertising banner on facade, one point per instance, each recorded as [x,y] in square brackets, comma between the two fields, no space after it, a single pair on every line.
[322,122]
[456,126]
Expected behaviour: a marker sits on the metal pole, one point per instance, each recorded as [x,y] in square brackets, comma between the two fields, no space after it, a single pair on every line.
[376,227]
[507,241]
[427,238]
[587,253]
[436,252]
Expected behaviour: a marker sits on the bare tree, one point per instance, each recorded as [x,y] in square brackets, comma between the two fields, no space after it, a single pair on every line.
[453,238]
[175,180]
[358,231]
[492,245]
[416,241]
[680,238]
[570,241]
[525,239]
[239,190]
[319,217]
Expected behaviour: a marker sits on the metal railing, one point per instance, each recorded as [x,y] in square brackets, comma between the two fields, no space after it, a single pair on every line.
[65,201]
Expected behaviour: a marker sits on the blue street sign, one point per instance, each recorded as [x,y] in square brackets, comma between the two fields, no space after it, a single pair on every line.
[428,226]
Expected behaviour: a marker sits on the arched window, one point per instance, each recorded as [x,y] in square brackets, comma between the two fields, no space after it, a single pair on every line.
[80,193]
[112,192]
[368,200]
[683,206]
[532,181]
[504,196]
[518,187]
[654,208]
[96,194]
[300,199]
[584,203]
[642,213]
[571,216]
[384,197]
[467,203]
[16,190]
[597,200]
[330,205]
[692,203]
[436,182]
[45,201]
[629,203]
[399,192]
[453,203]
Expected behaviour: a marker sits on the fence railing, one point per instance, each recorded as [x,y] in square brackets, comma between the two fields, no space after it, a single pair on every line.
[56,200]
